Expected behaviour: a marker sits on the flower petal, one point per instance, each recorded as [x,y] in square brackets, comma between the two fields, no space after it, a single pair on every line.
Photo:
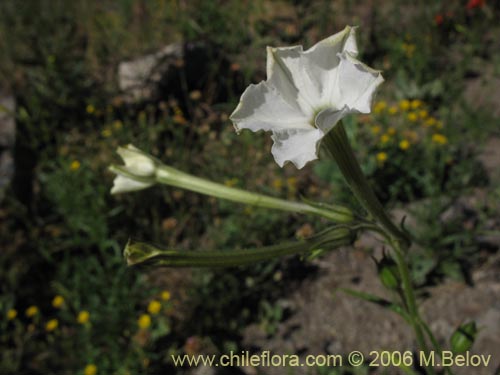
[329,117]
[298,146]
[288,71]
[323,62]
[123,184]
[262,107]
[357,83]
[137,162]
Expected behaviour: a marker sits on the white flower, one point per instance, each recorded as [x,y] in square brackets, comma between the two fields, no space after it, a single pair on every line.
[137,173]
[306,93]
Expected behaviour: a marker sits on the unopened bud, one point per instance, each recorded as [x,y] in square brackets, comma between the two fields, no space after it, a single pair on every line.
[463,338]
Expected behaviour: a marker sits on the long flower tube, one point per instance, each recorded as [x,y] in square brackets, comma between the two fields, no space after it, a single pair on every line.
[142,171]
[146,254]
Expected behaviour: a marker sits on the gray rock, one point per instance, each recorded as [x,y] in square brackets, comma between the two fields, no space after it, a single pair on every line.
[139,78]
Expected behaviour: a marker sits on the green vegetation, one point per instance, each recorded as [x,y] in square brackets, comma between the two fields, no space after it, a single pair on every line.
[62,233]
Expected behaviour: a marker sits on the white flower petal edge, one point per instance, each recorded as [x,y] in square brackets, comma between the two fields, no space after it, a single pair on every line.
[305,95]
[136,174]
[123,184]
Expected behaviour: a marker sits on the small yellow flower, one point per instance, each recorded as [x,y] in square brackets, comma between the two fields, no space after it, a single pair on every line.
[31,311]
[412,116]
[90,369]
[393,110]
[231,182]
[381,157]
[391,131]
[416,104]
[165,295]
[291,182]
[423,114]
[431,121]
[439,124]
[408,49]
[106,133]
[154,307]
[51,325]
[404,144]
[58,301]
[117,124]
[144,321]
[385,138]
[11,314]
[379,106]
[404,105]
[75,165]
[90,109]
[376,129]
[83,317]
[277,183]
[439,139]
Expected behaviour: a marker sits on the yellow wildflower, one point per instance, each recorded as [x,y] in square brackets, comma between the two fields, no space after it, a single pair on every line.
[439,139]
[144,321]
[423,114]
[393,110]
[231,182]
[439,124]
[379,106]
[58,301]
[11,314]
[291,182]
[83,317]
[404,105]
[408,49]
[277,183]
[412,116]
[391,131]
[381,157]
[117,124]
[165,295]
[51,325]
[154,307]
[90,369]
[385,138]
[404,144]
[431,121]
[376,129]
[106,133]
[31,311]
[75,165]
[416,104]
[90,109]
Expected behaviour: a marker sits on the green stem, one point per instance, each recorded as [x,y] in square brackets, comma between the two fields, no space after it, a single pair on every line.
[141,253]
[410,300]
[171,176]
[338,146]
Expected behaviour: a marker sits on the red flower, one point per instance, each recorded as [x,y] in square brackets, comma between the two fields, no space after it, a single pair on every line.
[439,19]
[475,4]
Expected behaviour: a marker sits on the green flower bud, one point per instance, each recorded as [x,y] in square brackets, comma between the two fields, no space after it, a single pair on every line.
[388,273]
[463,338]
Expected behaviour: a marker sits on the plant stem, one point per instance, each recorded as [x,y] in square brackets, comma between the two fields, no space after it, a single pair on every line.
[338,146]
[142,253]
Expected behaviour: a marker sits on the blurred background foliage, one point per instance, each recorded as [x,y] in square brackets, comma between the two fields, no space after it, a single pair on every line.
[61,232]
